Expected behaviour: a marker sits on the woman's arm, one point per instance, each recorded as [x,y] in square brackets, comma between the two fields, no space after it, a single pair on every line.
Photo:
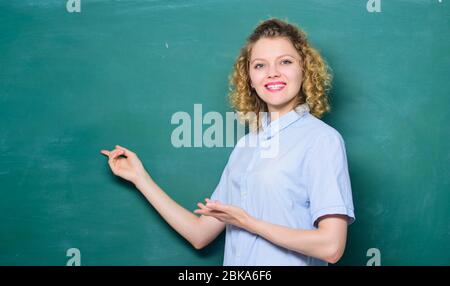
[327,242]
[199,231]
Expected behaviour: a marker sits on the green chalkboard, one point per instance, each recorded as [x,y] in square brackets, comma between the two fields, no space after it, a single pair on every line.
[73,83]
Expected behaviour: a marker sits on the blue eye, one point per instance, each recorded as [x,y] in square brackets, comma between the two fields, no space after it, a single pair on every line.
[257,66]
[286,62]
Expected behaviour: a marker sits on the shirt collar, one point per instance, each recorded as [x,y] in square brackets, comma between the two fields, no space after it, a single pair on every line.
[270,129]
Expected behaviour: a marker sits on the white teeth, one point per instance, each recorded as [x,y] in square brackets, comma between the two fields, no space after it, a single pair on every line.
[275,86]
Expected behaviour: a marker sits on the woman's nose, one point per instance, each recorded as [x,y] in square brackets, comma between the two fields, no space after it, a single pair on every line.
[273,71]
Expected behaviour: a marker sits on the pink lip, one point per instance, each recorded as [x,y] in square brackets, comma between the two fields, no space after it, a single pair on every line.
[273,83]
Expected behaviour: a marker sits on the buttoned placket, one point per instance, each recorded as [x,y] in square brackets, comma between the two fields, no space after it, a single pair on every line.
[244,195]
[265,136]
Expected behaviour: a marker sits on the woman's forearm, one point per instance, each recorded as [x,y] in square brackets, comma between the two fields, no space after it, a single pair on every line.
[182,220]
[327,243]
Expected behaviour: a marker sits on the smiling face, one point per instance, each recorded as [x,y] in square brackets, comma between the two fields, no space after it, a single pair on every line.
[276,74]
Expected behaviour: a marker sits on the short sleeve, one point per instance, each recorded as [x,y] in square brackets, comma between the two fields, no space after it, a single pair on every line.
[219,193]
[329,187]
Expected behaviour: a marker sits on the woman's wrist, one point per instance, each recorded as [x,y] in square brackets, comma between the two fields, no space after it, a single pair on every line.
[142,179]
[252,224]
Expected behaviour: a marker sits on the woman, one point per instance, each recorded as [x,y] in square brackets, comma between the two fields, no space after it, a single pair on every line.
[286,207]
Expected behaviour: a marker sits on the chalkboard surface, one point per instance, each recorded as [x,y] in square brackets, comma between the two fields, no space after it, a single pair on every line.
[73,83]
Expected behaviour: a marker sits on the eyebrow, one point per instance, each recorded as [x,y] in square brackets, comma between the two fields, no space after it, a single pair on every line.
[277,58]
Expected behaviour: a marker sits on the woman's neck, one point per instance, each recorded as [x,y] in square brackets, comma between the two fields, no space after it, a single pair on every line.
[276,112]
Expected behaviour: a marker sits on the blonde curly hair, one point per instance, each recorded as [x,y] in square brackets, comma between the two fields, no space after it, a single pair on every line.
[317,75]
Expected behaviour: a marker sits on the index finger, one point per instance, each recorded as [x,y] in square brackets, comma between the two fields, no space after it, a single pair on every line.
[105,152]
[216,206]
[127,152]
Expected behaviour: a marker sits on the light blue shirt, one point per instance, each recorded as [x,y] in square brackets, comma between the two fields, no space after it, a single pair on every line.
[306,177]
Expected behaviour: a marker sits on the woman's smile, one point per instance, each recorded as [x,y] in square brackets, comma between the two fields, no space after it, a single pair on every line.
[275,86]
